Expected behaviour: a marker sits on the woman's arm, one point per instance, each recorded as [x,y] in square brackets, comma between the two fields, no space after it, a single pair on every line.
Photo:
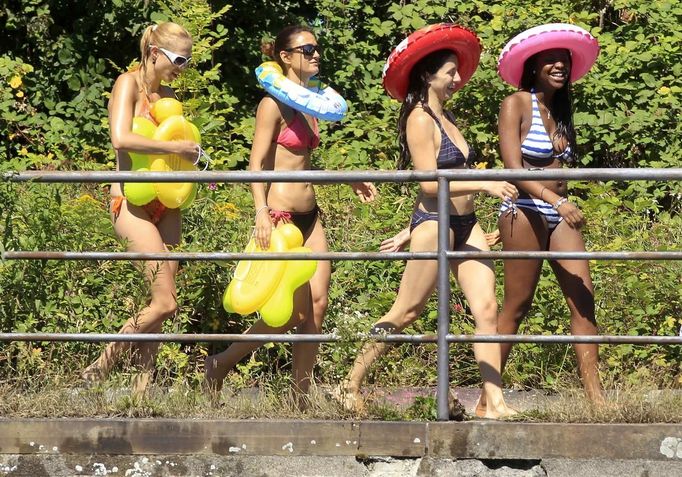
[420,130]
[121,110]
[397,242]
[268,119]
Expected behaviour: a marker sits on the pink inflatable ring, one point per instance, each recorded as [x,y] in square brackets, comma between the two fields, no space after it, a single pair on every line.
[442,36]
[583,46]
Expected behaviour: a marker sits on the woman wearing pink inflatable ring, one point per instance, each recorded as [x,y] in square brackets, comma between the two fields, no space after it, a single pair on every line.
[536,132]
[424,72]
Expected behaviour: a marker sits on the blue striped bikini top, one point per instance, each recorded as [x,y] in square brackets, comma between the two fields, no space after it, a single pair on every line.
[538,144]
[449,155]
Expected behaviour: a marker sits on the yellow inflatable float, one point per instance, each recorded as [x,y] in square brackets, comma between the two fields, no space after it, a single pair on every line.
[268,286]
[172,127]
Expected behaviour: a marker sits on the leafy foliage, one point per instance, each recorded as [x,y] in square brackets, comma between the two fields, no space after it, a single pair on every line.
[63,56]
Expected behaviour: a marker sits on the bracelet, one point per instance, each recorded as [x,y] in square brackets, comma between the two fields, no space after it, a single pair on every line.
[542,192]
[260,209]
[559,203]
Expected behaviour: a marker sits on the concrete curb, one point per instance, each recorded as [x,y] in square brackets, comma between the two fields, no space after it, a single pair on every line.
[450,440]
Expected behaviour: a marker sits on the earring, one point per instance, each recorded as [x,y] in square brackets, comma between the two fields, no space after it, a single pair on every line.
[534,71]
[154,60]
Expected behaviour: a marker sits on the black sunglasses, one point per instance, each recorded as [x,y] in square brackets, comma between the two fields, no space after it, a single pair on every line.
[308,49]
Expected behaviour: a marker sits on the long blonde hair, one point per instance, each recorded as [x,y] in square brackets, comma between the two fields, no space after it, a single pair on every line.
[165,35]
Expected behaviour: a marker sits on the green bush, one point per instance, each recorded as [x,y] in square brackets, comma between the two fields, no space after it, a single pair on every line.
[59,68]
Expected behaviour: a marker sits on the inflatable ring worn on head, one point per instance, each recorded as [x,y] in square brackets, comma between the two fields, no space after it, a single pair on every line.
[583,46]
[442,36]
[318,100]
[269,286]
[174,194]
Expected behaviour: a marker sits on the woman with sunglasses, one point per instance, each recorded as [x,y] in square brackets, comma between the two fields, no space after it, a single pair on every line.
[423,72]
[165,52]
[536,132]
[284,140]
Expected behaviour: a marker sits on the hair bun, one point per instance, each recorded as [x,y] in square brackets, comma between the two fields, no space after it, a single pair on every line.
[268,48]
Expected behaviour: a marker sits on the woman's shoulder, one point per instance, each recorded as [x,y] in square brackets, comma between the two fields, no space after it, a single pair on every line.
[420,118]
[271,109]
[125,87]
[127,79]
[517,98]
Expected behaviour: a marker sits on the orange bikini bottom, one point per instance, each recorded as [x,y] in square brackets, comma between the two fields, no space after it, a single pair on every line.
[155,209]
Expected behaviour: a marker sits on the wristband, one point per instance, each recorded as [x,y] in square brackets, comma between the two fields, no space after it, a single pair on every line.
[559,203]
[261,209]
[542,192]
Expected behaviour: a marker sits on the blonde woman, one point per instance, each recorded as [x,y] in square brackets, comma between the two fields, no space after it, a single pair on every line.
[165,50]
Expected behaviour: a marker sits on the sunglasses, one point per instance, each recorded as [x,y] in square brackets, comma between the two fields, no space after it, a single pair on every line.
[308,49]
[178,60]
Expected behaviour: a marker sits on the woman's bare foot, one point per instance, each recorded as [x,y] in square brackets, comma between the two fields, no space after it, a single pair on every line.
[213,378]
[93,374]
[349,397]
[596,397]
[140,383]
[455,407]
[499,411]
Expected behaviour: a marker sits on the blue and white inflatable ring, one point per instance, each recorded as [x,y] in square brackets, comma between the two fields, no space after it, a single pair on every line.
[317,99]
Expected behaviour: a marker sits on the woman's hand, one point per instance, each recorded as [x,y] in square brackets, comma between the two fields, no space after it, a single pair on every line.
[365,191]
[263,228]
[397,242]
[501,189]
[493,238]
[571,214]
[188,149]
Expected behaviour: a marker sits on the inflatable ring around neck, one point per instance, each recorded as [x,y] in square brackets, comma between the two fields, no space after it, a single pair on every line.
[318,99]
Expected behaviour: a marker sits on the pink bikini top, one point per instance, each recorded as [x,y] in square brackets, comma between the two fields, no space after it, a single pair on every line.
[296,135]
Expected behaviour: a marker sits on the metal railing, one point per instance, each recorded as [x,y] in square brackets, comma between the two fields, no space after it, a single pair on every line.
[442,254]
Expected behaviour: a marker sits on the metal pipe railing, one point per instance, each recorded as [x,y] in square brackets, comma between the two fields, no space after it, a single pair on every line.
[442,255]
[335,338]
[443,323]
[325,177]
[370,256]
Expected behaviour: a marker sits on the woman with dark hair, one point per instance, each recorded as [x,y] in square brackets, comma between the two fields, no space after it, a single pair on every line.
[429,138]
[536,132]
[284,140]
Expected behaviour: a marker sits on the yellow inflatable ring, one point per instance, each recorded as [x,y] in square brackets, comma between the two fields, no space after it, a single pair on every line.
[174,194]
[269,286]
[140,193]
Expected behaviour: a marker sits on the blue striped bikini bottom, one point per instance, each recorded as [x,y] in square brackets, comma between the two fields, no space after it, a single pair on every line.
[538,206]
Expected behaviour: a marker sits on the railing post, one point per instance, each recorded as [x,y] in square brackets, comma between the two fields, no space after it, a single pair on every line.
[443,298]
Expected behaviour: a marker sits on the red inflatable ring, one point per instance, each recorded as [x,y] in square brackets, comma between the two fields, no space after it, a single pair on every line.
[442,36]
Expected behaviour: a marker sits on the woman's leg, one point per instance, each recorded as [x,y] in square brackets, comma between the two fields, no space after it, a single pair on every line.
[576,284]
[170,229]
[218,365]
[416,286]
[311,309]
[477,281]
[526,230]
[133,225]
